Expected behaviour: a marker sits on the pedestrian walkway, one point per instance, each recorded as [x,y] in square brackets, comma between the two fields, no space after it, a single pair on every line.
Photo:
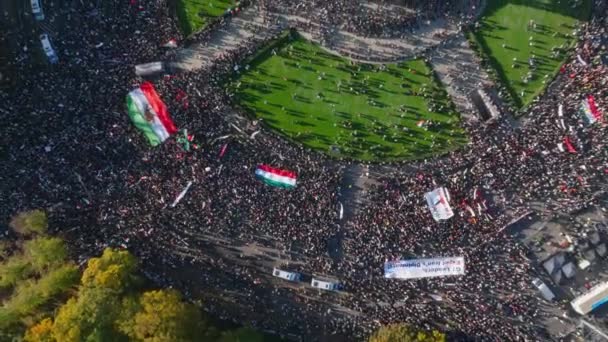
[453,60]
[459,70]
[251,24]
[246,26]
[378,50]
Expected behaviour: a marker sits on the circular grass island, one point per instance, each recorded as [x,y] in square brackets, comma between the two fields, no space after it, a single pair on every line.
[365,112]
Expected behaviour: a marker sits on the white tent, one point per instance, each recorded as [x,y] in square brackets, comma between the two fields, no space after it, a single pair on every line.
[594,238]
[601,249]
[554,264]
[569,270]
[589,255]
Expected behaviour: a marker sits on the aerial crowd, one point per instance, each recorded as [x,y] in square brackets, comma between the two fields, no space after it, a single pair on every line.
[363,18]
[69,147]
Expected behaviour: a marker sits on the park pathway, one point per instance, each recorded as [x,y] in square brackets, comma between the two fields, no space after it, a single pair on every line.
[246,26]
[459,70]
[378,50]
[251,24]
[454,61]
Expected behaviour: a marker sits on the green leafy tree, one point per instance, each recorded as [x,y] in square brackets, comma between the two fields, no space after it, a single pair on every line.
[16,268]
[8,317]
[114,270]
[38,255]
[44,252]
[88,317]
[242,335]
[110,307]
[32,275]
[32,294]
[30,222]
[405,333]
[162,316]
[91,316]
[129,307]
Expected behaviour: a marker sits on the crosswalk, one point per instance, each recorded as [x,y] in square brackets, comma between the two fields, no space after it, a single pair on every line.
[47,28]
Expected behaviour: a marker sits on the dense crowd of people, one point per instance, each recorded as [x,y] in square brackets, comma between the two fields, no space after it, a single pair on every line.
[367,18]
[69,146]
[516,168]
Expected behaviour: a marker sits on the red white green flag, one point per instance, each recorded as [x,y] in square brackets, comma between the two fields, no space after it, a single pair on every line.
[276,177]
[149,114]
[589,109]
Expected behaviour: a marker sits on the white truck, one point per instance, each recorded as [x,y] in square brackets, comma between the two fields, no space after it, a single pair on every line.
[48,49]
[37,10]
[545,291]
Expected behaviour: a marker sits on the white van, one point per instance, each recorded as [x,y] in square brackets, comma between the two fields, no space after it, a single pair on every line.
[48,49]
[290,276]
[545,291]
[37,10]
[324,285]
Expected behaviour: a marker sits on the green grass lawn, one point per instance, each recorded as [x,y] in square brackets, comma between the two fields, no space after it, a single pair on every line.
[193,15]
[505,37]
[360,111]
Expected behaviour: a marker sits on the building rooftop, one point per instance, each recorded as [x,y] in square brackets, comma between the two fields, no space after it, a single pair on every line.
[569,252]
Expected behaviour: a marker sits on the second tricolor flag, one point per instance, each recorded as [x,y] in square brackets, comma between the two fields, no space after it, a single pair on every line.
[276,177]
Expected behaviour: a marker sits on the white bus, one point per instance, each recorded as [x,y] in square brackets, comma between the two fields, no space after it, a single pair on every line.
[325,285]
[37,10]
[290,276]
[48,49]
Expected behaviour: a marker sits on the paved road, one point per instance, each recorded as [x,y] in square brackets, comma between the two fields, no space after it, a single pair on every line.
[356,182]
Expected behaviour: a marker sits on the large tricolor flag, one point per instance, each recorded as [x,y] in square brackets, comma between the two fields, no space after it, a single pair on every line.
[276,177]
[149,114]
[589,109]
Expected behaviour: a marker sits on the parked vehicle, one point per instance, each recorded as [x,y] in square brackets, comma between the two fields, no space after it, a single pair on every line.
[37,10]
[290,276]
[48,49]
[325,285]
[545,291]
